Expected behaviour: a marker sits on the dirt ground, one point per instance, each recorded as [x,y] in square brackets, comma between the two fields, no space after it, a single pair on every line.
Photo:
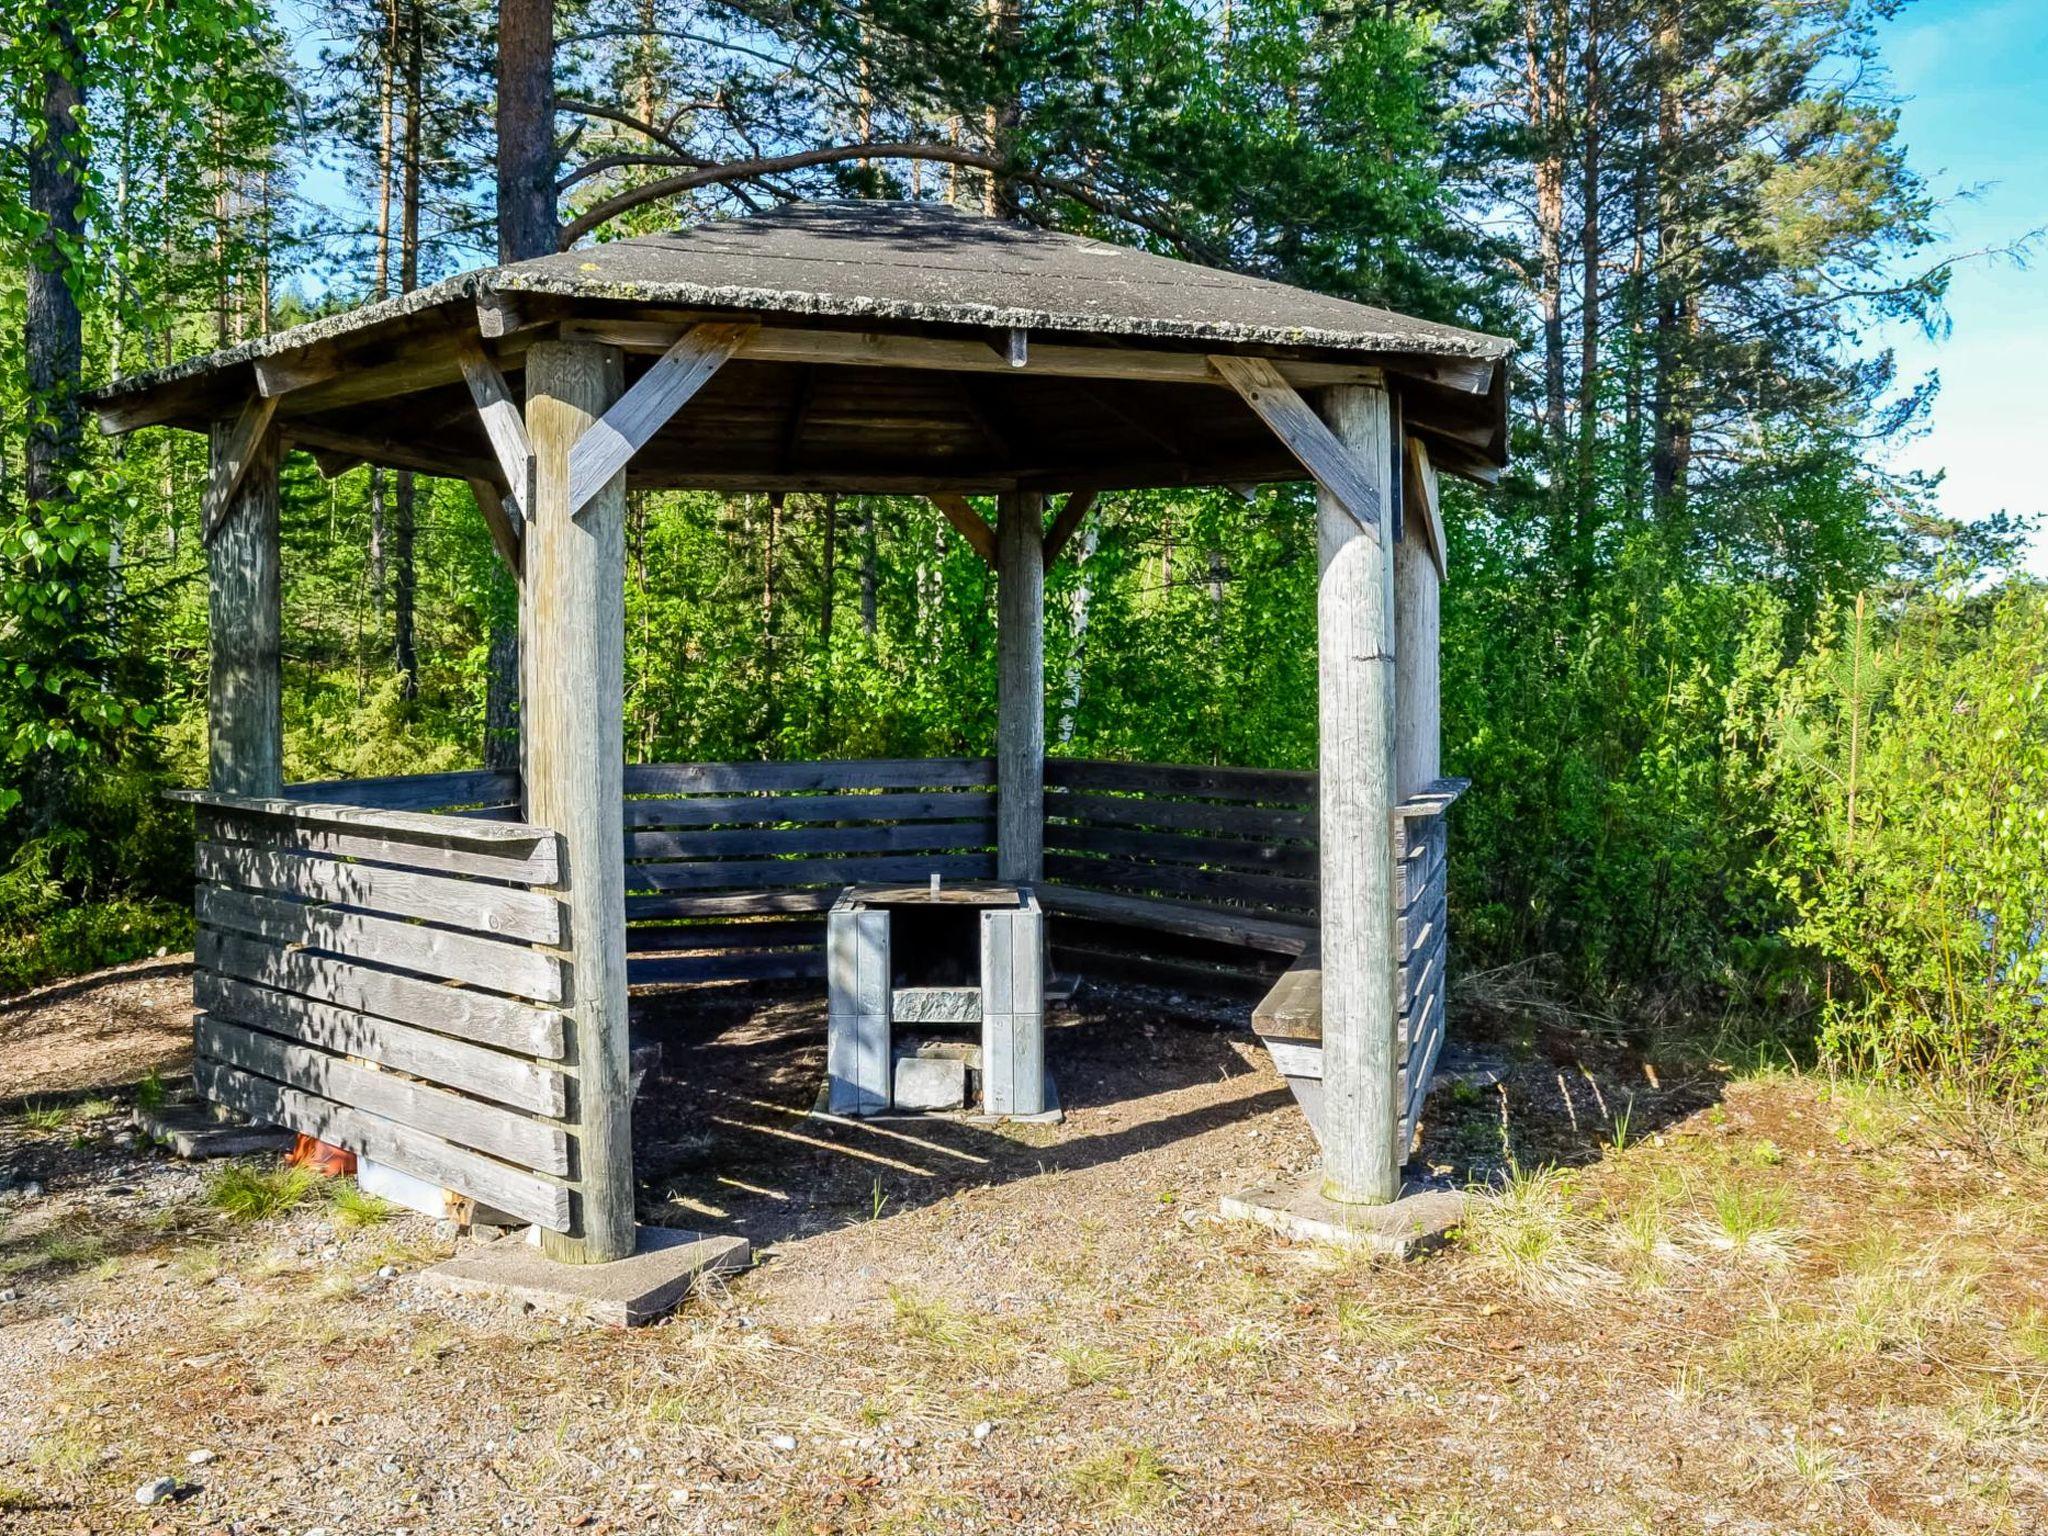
[1701,1299]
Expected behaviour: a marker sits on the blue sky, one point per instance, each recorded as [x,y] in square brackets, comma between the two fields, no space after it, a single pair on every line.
[1975,77]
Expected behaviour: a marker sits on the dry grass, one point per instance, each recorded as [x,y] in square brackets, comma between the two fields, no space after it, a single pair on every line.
[1784,1305]
[1123,1480]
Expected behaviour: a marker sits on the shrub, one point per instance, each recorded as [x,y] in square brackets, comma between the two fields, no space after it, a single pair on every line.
[65,941]
[1906,774]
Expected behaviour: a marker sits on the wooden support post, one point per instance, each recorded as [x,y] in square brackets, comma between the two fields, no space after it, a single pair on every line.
[1020,686]
[572,631]
[244,689]
[1418,749]
[1355,664]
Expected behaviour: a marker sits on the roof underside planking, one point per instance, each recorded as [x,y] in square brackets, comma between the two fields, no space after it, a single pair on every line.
[884,361]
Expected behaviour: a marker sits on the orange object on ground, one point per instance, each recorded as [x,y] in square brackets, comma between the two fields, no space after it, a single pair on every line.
[330,1162]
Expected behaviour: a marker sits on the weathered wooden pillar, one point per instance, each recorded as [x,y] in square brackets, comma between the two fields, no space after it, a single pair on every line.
[1355,664]
[244,686]
[1418,645]
[1020,687]
[572,629]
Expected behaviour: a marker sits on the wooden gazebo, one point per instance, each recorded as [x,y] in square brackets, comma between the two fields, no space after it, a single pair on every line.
[446,991]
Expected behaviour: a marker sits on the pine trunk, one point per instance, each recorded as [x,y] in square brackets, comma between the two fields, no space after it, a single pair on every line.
[54,331]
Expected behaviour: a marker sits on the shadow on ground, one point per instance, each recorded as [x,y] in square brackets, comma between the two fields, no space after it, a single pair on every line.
[724,1137]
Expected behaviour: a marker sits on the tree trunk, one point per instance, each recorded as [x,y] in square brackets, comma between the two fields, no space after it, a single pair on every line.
[1590,253]
[775,505]
[867,567]
[1669,426]
[829,572]
[1077,612]
[404,648]
[387,107]
[405,577]
[1544,75]
[54,332]
[526,129]
[1005,114]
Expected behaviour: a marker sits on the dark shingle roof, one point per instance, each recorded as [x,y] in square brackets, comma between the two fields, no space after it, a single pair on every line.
[931,263]
[894,262]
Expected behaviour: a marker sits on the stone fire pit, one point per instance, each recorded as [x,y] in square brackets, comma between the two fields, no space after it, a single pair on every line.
[937,1000]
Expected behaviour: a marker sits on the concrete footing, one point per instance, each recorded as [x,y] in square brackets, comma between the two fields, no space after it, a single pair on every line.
[1418,1220]
[666,1264]
[1052,1114]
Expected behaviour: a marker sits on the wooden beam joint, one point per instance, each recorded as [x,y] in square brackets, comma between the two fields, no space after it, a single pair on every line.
[608,444]
[1329,463]
[969,524]
[232,464]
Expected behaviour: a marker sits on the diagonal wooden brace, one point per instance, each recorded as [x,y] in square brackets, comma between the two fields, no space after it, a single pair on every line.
[233,463]
[503,424]
[608,445]
[1308,438]
[969,524]
[1421,495]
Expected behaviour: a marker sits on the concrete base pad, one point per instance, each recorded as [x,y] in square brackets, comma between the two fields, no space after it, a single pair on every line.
[1419,1219]
[625,1293]
[1052,1114]
[194,1130]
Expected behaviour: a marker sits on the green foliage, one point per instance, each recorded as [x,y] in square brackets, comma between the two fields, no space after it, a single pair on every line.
[1906,774]
[1698,776]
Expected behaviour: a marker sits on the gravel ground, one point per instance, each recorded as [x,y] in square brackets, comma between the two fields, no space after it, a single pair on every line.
[1751,1304]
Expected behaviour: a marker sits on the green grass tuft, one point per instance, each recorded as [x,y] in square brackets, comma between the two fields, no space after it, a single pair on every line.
[242,1193]
[353,1208]
[44,1117]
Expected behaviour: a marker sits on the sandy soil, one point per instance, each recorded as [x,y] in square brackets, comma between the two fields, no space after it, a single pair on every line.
[1753,1303]
[106,1031]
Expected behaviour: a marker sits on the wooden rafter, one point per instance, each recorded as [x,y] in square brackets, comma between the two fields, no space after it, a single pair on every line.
[1064,526]
[503,423]
[608,445]
[1333,466]
[871,349]
[337,452]
[298,369]
[234,460]
[969,523]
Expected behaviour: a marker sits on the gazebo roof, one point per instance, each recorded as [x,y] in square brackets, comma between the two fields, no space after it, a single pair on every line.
[886,272]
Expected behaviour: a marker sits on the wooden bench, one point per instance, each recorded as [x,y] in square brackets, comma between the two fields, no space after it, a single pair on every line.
[1192,875]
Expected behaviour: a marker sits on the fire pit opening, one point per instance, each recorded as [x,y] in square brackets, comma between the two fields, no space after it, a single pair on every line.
[933,946]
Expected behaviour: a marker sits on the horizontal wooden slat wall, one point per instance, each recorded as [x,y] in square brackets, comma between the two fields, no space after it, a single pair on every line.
[1184,874]
[730,867]
[1421,885]
[386,980]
